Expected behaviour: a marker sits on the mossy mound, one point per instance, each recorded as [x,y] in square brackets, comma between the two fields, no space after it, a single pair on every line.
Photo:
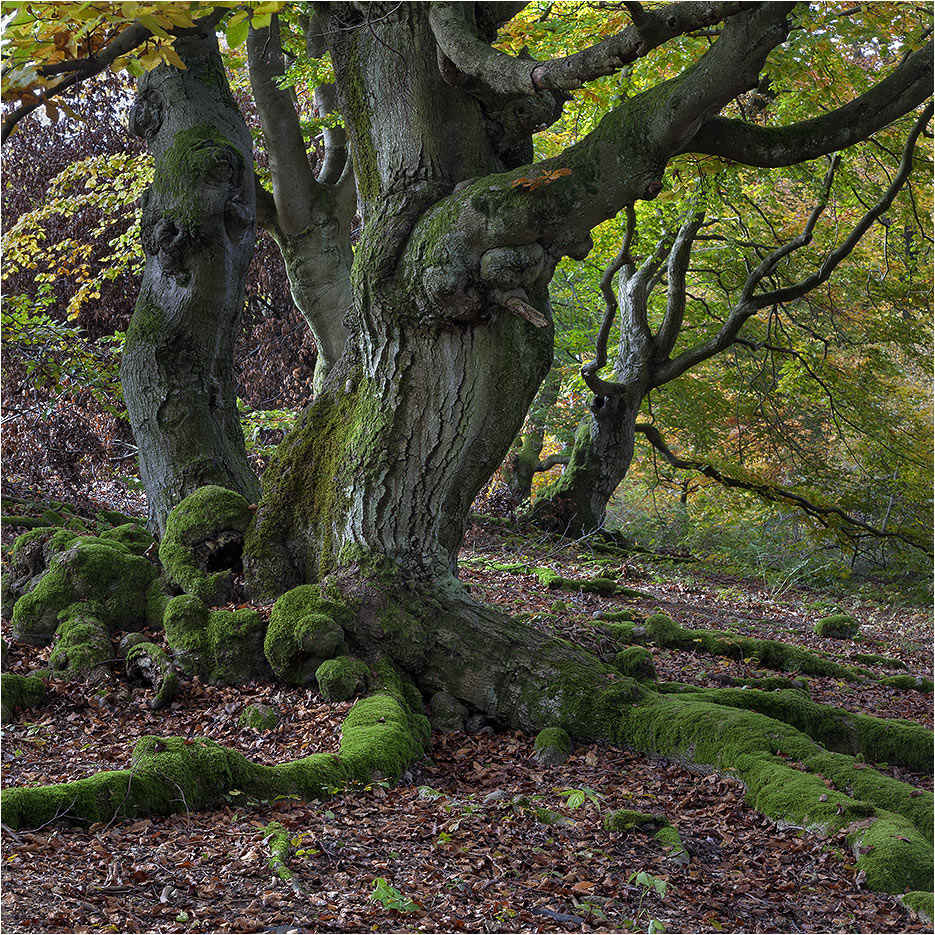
[341,678]
[90,569]
[837,627]
[136,538]
[636,662]
[624,821]
[151,662]
[203,543]
[82,640]
[304,630]
[259,717]
[553,746]
[224,647]
[921,904]
[19,691]
[908,683]
[279,842]
[157,599]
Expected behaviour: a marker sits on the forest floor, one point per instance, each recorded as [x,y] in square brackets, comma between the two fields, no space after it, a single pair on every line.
[456,853]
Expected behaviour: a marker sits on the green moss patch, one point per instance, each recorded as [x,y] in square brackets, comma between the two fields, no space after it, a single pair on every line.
[380,737]
[837,627]
[342,678]
[553,746]
[82,640]
[224,647]
[89,570]
[19,691]
[636,662]
[279,842]
[259,717]
[908,683]
[871,659]
[304,630]
[135,537]
[203,542]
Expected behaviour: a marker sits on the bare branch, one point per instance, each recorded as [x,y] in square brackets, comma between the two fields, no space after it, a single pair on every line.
[831,517]
[589,371]
[750,303]
[679,256]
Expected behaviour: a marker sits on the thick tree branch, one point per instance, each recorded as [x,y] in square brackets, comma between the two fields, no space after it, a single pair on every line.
[335,161]
[679,256]
[899,93]
[457,37]
[831,517]
[288,161]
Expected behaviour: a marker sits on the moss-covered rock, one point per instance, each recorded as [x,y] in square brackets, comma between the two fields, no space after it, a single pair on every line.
[19,691]
[908,683]
[224,647]
[151,662]
[448,714]
[837,627]
[279,842]
[671,841]
[29,560]
[303,632]
[82,640]
[89,570]
[625,821]
[341,678]
[662,630]
[920,903]
[259,717]
[136,538]
[203,542]
[553,746]
[108,519]
[636,662]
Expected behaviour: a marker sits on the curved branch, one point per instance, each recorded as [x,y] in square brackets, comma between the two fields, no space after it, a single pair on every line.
[899,93]
[289,167]
[823,514]
[679,256]
[335,159]
[749,303]
[589,371]
[453,26]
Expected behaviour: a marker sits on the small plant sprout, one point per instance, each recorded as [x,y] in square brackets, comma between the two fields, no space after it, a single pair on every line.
[389,897]
[647,883]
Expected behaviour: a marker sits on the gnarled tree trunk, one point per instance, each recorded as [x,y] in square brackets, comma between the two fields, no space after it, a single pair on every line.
[198,231]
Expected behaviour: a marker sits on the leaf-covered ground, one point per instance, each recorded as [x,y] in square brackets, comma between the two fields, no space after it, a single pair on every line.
[478,837]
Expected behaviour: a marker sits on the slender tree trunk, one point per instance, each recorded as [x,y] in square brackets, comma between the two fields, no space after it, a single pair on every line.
[576,503]
[198,232]
[524,460]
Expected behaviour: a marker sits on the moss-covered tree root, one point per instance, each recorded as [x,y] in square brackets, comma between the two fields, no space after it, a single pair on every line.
[794,780]
[19,691]
[381,735]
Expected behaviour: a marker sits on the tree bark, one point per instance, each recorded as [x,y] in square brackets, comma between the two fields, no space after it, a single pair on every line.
[198,230]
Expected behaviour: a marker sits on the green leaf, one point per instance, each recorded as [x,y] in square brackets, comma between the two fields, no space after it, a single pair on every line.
[237,33]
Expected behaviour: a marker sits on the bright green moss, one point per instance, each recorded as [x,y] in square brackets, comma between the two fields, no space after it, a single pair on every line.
[341,678]
[19,691]
[303,633]
[908,683]
[203,541]
[920,903]
[871,659]
[259,717]
[82,640]
[279,842]
[157,599]
[136,538]
[636,662]
[224,647]
[671,841]
[553,746]
[837,627]
[89,570]
[663,630]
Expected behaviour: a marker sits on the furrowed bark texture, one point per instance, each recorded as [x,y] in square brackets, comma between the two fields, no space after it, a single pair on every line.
[198,231]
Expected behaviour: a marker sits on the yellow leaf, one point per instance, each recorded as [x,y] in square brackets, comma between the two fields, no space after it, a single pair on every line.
[172,57]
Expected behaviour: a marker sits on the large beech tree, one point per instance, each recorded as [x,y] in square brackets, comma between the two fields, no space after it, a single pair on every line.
[448,336]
